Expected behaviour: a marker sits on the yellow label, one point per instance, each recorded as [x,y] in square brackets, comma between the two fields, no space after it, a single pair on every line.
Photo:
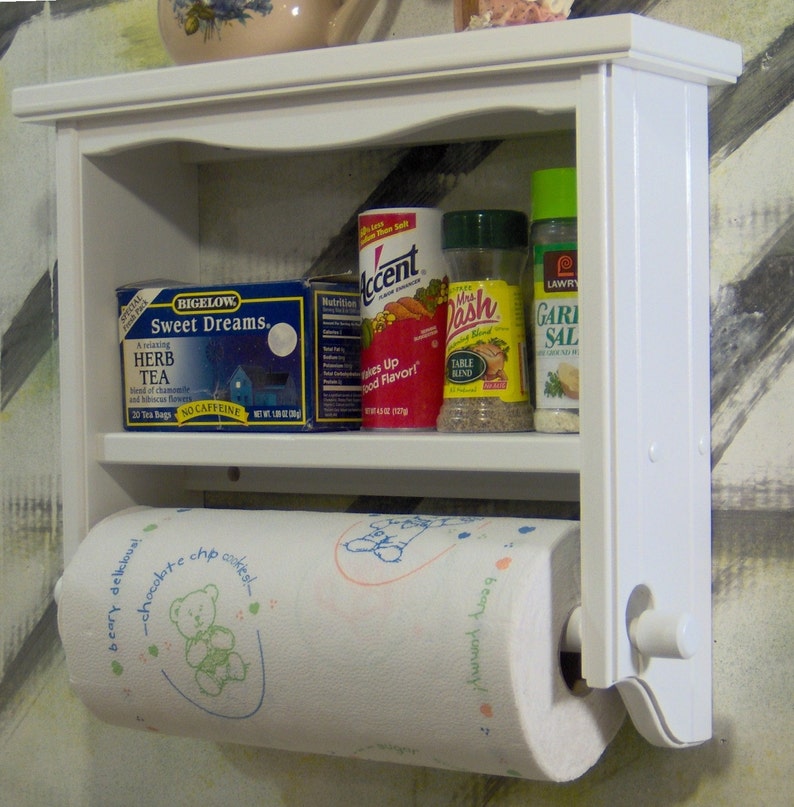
[224,410]
[486,342]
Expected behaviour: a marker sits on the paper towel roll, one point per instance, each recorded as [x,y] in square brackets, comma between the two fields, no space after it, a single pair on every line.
[416,639]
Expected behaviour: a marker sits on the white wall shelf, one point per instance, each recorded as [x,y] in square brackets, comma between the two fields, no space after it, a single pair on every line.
[634,91]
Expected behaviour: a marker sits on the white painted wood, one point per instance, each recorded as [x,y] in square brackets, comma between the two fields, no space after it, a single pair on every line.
[381,66]
[457,485]
[646,519]
[118,220]
[634,90]
[366,451]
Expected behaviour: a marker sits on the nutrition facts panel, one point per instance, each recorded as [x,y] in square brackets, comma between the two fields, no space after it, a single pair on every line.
[339,376]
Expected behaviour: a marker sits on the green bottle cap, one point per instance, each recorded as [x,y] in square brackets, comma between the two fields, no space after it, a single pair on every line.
[486,229]
[554,194]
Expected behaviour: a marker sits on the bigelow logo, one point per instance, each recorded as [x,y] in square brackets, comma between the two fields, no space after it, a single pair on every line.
[208,302]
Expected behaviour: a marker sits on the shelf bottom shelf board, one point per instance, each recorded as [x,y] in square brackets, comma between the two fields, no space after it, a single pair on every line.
[517,453]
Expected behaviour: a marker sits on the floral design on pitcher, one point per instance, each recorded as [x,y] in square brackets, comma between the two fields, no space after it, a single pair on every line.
[209,16]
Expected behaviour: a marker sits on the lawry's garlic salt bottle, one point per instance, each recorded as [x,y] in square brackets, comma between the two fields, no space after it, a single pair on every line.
[555,302]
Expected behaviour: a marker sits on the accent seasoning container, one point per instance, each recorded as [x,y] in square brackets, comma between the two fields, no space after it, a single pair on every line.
[403,285]
[486,386]
[555,307]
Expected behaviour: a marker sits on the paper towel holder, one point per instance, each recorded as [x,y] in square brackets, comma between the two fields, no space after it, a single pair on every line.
[639,89]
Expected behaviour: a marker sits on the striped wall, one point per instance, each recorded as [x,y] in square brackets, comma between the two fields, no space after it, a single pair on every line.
[752,247]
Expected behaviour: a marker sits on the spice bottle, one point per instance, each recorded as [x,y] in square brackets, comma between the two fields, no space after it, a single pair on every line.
[486,379]
[555,303]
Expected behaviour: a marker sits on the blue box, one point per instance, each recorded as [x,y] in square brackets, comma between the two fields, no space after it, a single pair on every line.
[274,356]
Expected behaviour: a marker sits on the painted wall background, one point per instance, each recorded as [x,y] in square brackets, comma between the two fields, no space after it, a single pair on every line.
[52,752]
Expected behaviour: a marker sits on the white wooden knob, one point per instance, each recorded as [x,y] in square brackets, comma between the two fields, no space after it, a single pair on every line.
[665,635]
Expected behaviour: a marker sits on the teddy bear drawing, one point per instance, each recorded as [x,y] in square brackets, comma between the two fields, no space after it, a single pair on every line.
[209,647]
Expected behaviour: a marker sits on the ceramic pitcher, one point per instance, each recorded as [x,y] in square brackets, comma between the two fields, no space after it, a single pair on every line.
[208,30]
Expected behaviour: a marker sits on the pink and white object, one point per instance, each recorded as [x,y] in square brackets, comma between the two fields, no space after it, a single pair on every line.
[499,13]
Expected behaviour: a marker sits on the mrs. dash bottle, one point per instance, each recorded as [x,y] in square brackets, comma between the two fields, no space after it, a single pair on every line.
[486,380]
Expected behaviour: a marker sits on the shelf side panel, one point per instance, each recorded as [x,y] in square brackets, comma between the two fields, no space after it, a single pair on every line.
[654,410]
[118,221]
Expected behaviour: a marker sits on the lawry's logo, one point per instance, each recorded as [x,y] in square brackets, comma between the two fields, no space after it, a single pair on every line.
[211,302]
[560,271]
[388,273]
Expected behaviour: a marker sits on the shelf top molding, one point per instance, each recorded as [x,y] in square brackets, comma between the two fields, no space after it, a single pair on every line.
[573,45]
